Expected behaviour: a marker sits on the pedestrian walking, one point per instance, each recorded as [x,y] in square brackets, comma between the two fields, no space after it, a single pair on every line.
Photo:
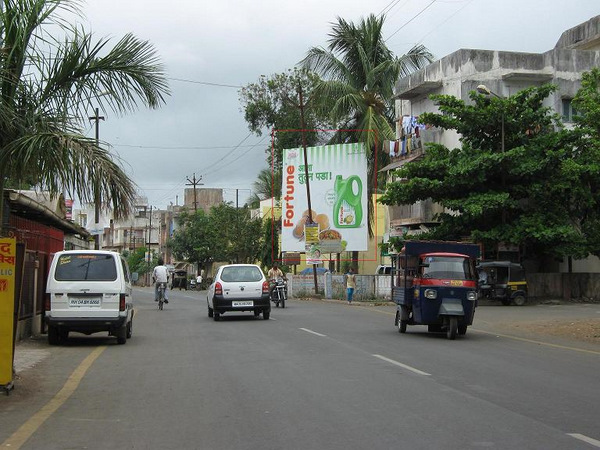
[350,284]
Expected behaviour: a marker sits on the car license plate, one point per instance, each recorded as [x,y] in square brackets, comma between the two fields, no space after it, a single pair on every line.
[78,302]
[242,303]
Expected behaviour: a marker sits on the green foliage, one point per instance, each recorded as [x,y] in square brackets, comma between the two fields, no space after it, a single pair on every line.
[540,193]
[50,86]
[137,261]
[225,234]
[359,72]
[273,103]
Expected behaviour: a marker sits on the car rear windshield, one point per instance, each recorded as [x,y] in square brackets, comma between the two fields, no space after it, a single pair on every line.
[237,274]
[86,267]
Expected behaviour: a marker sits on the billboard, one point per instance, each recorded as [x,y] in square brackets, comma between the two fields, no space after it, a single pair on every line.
[337,176]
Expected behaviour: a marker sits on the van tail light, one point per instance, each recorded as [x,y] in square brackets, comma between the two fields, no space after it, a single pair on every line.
[47,303]
[218,289]
[122,302]
[265,287]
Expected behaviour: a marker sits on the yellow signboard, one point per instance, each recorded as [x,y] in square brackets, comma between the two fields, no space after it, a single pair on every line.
[8,256]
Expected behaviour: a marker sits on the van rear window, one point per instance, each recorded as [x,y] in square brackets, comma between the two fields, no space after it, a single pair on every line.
[85,267]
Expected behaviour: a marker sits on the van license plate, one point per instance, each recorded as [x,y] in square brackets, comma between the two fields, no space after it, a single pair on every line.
[77,302]
[244,303]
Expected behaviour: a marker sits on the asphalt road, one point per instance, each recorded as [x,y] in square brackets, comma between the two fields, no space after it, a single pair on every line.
[318,375]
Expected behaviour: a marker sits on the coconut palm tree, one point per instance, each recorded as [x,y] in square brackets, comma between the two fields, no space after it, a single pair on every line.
[358,73]
[49,84]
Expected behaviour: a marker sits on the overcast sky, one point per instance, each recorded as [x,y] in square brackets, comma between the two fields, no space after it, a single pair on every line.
[201,129]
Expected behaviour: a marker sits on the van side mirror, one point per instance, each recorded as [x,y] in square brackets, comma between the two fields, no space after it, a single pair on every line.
[135,276]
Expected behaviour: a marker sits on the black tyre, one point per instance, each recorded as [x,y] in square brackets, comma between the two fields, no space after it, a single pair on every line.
[452,327]
[130,329]
[210,312]
[402,326]
[519,300]
[462,330]
[266,314]
[160,305]
[122,335]
[53,338]
[216,316]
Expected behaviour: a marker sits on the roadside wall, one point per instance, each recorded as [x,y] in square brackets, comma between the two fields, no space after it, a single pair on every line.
[577,286]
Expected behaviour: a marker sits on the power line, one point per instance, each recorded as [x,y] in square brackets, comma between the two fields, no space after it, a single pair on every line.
[157,147]
[413,18]
[206,83]
[437,27]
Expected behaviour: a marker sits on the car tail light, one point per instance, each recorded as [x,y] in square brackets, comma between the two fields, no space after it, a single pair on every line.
[122,302]
[47,303]
[265,287]
[218,289]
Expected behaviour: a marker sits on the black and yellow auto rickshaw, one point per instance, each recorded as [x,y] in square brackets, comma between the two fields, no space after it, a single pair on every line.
[504,281]
[179,279]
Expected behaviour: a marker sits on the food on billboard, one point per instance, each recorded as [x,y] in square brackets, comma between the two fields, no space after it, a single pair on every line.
[298,231]
[322,220]
[329,235]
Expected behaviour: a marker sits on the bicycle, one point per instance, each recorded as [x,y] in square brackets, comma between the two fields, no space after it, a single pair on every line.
[162,287]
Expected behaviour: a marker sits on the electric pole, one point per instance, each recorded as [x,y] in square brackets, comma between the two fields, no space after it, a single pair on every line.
[97,198]
[194,182]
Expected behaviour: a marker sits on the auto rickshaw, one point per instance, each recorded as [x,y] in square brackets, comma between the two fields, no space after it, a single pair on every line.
[179,279]
[504,281]
[435,285]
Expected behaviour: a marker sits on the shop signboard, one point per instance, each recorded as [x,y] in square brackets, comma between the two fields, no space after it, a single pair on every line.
[8,256]
[337,176]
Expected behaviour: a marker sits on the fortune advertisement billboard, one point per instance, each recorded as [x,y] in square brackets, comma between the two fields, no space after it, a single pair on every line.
[337,176]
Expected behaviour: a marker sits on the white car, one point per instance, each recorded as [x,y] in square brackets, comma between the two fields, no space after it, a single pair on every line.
[239,287]
[89,291]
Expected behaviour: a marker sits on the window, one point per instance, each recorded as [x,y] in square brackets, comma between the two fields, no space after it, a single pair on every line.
[449,267]
[568,112]
[86,267]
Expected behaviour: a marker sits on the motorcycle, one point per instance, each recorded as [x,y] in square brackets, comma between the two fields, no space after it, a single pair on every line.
[279,292]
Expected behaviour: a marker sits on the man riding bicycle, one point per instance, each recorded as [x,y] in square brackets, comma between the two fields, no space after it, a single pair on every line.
[160,274]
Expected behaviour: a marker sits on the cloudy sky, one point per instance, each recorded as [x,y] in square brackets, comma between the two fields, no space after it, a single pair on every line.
[211,48]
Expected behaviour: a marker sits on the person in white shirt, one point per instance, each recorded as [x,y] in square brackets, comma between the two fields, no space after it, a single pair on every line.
[160,274]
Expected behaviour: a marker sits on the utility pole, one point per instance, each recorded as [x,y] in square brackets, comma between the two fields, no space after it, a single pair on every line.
[194,182]
[310,218]
[97,198]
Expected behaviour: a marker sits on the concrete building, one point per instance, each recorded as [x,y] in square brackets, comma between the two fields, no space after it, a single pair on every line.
[202,198]
[504,73]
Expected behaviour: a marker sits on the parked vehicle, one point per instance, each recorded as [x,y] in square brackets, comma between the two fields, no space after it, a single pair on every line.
[179,279]
[279,292]
[309,271]
[89,291]
[239,287]
[504,281]
[436,285]
[383,270]
[192,283]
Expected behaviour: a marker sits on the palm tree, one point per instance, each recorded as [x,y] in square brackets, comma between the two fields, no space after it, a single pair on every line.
[49,85]
[358,74]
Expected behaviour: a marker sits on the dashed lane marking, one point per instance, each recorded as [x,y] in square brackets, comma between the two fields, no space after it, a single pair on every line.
[404,366]
[584,438]
[313,332]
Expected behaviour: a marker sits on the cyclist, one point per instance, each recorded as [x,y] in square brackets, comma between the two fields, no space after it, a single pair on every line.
[160,274]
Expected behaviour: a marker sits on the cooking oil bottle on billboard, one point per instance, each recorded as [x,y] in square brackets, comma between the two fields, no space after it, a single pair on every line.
[347,210]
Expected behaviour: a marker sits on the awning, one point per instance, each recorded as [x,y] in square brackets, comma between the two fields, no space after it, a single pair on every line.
[400,163]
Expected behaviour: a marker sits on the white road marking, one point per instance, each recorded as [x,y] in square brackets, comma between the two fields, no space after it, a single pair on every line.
[313,332]
[584,438]
[404,366]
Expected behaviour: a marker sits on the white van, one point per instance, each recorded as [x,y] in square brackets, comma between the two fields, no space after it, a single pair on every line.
[89,291]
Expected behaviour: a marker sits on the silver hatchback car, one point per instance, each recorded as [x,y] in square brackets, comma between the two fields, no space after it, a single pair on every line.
[239,287]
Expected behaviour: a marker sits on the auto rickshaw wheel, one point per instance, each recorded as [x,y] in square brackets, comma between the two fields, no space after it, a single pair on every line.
[402,326]
[519,300]
[452,327]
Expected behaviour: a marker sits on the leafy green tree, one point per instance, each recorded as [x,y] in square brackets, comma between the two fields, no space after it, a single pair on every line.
[525,195]
[272,103]
[50,82]
[359,72]
[225,234]
[138,263]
